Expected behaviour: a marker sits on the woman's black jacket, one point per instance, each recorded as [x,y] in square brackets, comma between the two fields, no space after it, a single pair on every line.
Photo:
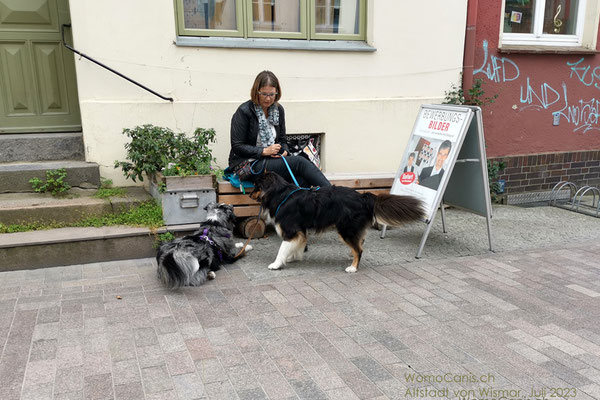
[244,131]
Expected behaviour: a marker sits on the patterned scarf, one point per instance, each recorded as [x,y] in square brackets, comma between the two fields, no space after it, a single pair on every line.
[266,136]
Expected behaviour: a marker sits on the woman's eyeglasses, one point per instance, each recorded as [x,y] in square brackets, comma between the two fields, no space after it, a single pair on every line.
[268,94]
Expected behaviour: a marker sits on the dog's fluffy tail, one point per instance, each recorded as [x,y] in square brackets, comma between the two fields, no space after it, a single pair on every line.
[394,210]
[180,268]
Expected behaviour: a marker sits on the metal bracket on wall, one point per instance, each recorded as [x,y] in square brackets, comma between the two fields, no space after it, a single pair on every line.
[107,67]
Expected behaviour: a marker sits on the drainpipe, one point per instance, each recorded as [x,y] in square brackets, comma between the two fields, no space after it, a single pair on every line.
[470,43]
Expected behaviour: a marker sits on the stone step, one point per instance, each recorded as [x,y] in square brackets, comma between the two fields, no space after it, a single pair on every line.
[24,208]
[41,147]
[14,177]
[69,246]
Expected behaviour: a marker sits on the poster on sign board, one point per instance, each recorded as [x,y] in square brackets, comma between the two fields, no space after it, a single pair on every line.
[431,153]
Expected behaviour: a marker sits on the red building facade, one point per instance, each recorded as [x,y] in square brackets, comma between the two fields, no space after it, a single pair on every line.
[545,122]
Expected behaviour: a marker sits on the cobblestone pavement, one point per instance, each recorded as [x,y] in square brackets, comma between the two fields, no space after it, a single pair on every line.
[461,322]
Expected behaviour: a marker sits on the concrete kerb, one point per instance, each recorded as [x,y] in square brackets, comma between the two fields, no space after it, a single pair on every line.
[67,246]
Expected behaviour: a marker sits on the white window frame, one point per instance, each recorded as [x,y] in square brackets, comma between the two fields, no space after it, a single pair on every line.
[584,38]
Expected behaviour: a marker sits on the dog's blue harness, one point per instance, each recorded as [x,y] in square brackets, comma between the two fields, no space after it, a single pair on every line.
[295,190]
[207,239]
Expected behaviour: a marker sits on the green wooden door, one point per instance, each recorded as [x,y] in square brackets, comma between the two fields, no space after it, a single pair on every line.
[38,90]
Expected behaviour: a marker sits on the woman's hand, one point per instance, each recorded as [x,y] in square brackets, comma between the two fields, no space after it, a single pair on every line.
[272,150]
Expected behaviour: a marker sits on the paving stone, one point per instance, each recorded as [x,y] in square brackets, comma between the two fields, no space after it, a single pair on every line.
[172,342]
[260,362]
[188,386]
[122,349]
[210,370]
[276,386]
[38,392]
[44,349]
[129,391]
[307,389]
[156,379]
[125,372]
[145,337]
[40,372]
[253,394]
[221,391]
[98,387]
[363,387]
[242,377]
[164,395]
[68,380]
[67,357]
[371,369]
[325,377]
[179,363]
[96,363]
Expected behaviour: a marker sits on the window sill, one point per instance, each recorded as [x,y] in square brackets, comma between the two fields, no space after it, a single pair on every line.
[274,44]
[544,49]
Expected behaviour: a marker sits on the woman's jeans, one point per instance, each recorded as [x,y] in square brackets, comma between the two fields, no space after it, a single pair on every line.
[305,171]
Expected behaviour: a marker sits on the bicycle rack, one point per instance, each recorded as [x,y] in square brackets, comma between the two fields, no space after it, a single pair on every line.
[560,186]
[573,202]
[594,190]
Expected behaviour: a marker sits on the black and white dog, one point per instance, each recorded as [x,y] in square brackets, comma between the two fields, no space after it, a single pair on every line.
[295,211]
[192,259]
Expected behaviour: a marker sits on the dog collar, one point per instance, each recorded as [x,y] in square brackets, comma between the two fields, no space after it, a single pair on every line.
[205,237]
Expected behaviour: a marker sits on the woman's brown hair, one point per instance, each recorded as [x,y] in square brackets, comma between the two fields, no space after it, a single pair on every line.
[265,78]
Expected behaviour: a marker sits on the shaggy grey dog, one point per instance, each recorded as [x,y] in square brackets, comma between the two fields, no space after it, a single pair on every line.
[192,259]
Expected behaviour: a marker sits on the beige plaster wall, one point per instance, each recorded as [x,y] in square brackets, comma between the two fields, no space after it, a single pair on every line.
[364,102]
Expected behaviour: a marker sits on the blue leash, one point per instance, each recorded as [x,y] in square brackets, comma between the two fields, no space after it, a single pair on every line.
[293,191]
[290,171]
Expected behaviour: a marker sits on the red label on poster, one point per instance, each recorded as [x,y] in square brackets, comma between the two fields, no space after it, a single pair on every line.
[407,178]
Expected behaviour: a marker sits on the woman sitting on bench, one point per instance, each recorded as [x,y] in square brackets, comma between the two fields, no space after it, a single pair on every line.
[258,137]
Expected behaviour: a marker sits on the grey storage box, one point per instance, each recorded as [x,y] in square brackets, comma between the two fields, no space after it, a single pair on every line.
[184,198]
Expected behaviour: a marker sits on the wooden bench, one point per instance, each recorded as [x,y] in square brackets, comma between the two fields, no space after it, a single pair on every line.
[247,209]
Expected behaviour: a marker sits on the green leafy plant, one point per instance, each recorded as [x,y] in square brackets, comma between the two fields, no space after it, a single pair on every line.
[107,190]
[475,95]
[153,148]
[163,238]
[166,237]
[146,214]
[55,182]
[494,168]
[476,98]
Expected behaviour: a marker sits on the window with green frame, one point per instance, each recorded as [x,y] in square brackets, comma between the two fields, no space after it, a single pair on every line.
[281,19]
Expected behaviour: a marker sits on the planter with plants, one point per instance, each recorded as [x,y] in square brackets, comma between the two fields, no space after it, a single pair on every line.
[180,169]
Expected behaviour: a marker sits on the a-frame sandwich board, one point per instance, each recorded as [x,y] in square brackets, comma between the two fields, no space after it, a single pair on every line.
[445,163]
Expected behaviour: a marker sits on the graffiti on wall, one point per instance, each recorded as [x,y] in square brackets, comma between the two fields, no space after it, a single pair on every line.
[582,114]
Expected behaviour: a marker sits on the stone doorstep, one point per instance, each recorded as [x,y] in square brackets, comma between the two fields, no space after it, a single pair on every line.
[42,207]
[24,147]
[16,176]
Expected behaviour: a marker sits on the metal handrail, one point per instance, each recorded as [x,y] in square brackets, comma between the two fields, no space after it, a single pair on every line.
[107,67]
